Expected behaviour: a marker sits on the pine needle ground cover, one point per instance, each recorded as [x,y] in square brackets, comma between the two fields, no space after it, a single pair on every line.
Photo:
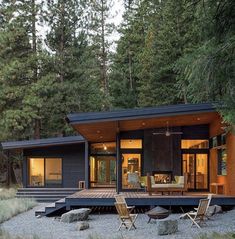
[11,206]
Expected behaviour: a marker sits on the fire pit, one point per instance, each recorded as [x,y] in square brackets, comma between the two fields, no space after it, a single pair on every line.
[157,213]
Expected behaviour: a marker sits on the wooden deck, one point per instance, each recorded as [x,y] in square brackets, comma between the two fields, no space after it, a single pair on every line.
[105,197]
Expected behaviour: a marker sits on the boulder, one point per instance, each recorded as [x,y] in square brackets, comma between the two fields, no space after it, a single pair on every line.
[214,210]
[82,226]
[75,215]
[166,227]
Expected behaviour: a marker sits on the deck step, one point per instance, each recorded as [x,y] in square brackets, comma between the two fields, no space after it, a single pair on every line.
[45,194]
[51,208]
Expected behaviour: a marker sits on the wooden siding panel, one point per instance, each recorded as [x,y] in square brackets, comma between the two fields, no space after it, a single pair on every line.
[229,179]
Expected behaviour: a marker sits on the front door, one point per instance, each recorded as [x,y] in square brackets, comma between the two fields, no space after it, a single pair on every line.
[103,171]
[196,167]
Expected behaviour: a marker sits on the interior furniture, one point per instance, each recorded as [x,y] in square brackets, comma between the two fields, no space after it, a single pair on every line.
[126,218]
[180,185]
[133,180]
[217,187]
[198,217]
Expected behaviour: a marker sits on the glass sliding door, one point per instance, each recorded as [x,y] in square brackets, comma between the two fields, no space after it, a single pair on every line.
[131,170]
[196,167]
[45,172]
[53,172]
[103,171]
[36,172]
[201,171]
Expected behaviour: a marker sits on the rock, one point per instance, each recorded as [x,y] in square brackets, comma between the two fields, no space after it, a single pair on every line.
[214,210]
[166,227]
[75,215]
[82,226]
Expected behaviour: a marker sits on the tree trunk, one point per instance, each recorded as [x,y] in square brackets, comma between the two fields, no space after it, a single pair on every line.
[103,54]
[37,122]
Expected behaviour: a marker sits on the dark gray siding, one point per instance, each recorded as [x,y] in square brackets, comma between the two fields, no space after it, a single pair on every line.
[162,153]
[73,161]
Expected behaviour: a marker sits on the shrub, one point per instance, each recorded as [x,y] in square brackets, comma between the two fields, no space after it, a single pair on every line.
[216,236]
[5,235]
[11,207]
[7,193]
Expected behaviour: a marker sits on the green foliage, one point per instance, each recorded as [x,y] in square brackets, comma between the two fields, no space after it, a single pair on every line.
[11,207]
[5,235]
[216,236]
[167,53]
[7,193]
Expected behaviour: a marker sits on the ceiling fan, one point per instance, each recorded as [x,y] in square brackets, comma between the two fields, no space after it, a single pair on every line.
[167,132]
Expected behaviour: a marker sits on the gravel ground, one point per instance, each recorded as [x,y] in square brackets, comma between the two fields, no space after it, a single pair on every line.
[105,226]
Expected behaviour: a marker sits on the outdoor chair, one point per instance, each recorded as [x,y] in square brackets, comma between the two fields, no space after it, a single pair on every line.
[198,217]
[126,219]
[121,199]
[209,197]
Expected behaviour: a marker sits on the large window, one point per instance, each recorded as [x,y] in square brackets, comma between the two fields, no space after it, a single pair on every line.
[131,151]
[45,172]
[222,161]
[194,144]
[36,172]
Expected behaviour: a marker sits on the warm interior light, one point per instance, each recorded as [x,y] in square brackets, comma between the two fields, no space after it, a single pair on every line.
[105,147]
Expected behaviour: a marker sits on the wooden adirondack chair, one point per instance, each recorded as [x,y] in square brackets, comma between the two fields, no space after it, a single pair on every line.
[126,219]
[121,199]
[199,216]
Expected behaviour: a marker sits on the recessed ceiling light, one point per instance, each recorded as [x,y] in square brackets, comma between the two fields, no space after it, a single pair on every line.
[143,123]
[198,118]
[98,131]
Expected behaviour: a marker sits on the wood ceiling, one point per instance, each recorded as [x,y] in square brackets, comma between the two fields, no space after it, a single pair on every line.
[106,131]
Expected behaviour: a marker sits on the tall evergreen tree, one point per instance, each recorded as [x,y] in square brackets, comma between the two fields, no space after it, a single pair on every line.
[20,68]
[100,29]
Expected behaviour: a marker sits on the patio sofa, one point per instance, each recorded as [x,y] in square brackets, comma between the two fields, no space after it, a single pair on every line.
[179,185]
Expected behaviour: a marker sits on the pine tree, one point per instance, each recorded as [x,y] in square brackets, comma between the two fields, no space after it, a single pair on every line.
[19,60]
[100,29]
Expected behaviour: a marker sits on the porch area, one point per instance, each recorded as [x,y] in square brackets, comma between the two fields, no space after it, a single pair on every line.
[105,197]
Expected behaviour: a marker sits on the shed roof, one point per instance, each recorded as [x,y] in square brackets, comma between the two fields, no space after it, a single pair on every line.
[160,111]
[36,143]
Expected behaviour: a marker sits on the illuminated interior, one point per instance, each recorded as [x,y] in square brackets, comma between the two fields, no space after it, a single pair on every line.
[104,148]
[131,167]
[194,144]
[45,171]
[131,144]
[36,172]
[102,171]
[53,171]
[196,167]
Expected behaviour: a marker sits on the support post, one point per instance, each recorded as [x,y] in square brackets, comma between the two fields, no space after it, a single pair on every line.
[8,169]
[119,165]
[87,163]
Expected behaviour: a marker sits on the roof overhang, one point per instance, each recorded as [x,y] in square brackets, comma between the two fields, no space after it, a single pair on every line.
[103,126]
[39,143]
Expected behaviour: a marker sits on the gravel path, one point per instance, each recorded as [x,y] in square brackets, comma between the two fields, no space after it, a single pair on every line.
[106,226]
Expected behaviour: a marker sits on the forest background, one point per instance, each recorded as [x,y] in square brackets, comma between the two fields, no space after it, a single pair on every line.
[167,52]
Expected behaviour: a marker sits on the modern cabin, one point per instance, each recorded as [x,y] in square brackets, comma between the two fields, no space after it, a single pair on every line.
[165,141]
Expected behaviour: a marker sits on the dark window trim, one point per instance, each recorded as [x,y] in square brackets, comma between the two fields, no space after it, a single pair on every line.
[44,158]
[219,162]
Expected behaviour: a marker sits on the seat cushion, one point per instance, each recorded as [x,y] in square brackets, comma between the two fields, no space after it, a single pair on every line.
[181,180]
[168,185]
